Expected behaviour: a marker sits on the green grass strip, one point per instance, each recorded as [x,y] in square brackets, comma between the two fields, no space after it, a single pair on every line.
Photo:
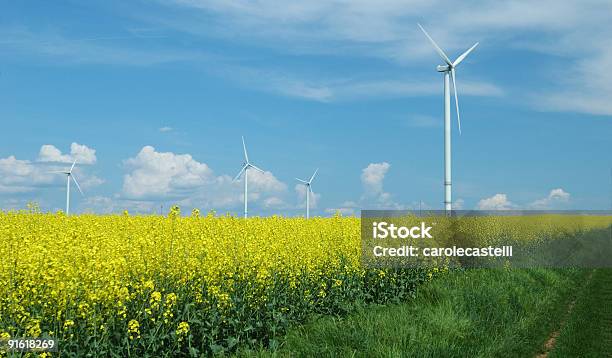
[475,313]
[588,331]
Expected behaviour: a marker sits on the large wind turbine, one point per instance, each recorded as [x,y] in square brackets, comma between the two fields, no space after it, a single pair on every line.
[308,183]
[245,169]
[69,175]
[449,73]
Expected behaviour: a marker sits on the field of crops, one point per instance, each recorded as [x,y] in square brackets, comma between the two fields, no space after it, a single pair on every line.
[113,284]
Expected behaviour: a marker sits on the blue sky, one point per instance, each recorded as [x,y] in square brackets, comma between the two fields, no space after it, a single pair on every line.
[152,98]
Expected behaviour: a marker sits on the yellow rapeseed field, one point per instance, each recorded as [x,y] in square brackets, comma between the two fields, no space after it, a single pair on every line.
[120,284]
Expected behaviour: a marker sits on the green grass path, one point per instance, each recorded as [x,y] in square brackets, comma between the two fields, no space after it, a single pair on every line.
[476,313]
[588,330]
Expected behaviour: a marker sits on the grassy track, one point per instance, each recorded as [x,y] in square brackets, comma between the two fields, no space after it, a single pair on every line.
[477,313]
[588,331]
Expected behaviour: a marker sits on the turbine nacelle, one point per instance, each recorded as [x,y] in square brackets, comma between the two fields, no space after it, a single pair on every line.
[449,69]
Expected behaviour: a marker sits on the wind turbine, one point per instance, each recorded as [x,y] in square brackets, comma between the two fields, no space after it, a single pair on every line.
[68,176]
[449,73]
[245,169]
[308,191]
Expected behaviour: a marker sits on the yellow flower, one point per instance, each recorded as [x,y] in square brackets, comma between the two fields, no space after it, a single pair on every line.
[93,267]
[133,329]
[182,330]
[34,329]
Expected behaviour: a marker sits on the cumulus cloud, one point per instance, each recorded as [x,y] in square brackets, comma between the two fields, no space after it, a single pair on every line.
[348,208]
[79,152]
[374,196]
[166,176]
[88,181]
[372,178]
[496,202]
[274,203]
[300,190]
[556,198]
[22,175]
[161,174]
[117,204]
[19,176]
[264,182]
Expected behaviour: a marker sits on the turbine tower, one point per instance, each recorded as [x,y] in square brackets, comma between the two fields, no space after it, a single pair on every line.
[308,183]
[69,175]
[245,169]
[449,75]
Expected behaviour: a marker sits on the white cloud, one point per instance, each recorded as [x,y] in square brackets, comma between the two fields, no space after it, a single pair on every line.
[374,196]
[300,190]
[165,129]
[264,182]
[117,204]
[555,199]
[496,202]
[163,174]
[348,208]
[88,181]
[79,152]
[329,89]
[274,203]
[372,177]
[574,33]
[458,204]
[154,176]
[18,176]
[573,36]
[99,204]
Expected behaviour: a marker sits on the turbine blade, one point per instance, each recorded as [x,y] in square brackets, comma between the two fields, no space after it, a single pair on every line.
[464,55]
[256,168]
[240,172]
[72,167]
[456,98]
[301,181]
[438,49]
[77,184]
[246,156]
[313,175]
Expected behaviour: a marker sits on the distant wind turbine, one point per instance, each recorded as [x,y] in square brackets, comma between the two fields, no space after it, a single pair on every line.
[449,72]
[245,169]
[308,183]
[68,176]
